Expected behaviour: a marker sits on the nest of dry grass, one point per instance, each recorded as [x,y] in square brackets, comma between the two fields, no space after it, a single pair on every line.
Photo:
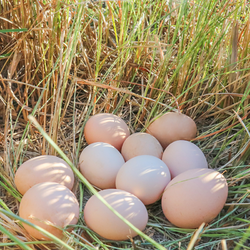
[64,61]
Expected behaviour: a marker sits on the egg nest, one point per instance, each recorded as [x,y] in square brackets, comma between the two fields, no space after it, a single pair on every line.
[149,57]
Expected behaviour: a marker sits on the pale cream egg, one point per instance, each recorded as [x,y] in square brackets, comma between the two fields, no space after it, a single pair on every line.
[99,164]
[171,127]
[107,128]
[194,197]
[104,222]
[50,206]
[141,144]
[145,176]
[42,169]
[181,156]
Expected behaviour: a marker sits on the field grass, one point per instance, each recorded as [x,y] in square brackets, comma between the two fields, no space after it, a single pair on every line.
[63,61]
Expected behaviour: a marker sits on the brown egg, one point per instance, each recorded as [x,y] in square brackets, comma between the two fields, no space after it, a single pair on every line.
[104,222]
[49,205]
[145,176]
[141,144]
[194,197]
[107,128]
[181,156]
[100,163]
[172,127]
[41,169]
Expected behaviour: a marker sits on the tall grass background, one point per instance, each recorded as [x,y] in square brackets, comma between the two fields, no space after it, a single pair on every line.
[63,61]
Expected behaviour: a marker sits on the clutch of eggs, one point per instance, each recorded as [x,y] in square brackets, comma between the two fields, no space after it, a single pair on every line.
[142,174]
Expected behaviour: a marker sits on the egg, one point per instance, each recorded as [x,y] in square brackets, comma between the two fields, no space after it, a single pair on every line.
[181,156]
[194,197]
[100,163]
[171,127]
[104,222]
[41,169]
[141,144]
[145,176]
[50,206]
[107,128]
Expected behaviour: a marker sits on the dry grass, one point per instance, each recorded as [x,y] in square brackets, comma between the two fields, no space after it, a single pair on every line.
[65,61]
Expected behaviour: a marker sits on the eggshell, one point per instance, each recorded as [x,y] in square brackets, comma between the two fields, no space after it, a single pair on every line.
[171,127]
[100,163]
[194,197]
[41,169]
[49,205]
[181,156]
[104,222]
[107,128]
[145,176]
[141,144]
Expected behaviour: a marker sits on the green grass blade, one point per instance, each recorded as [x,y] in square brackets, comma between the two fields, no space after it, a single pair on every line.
[14,238]
[13,30]
[46,233]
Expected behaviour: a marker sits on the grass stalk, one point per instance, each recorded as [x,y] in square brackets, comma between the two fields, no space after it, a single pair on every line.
[14,238]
